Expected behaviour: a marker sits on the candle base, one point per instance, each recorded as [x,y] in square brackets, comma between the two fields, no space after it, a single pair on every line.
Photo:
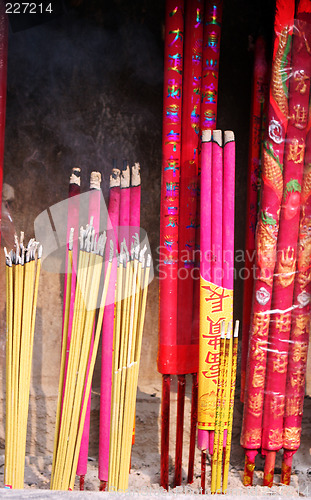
[81,481]
[287,467]
[269,468]
[249,467]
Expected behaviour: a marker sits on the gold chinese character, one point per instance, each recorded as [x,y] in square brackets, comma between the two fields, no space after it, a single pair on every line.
[299,117]
[279,362]
[296,151]
[301,79]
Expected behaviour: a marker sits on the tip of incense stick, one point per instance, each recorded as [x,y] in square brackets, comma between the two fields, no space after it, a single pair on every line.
[223,330]
[111,251]
[217,137]
[81,237]
[136,180]
[70,243]
[228,136]
[125,178]
[75,176]
[95,180]
[236,329]
[142,254]
[206,135]
[229,330]
[148,262]
[115,179]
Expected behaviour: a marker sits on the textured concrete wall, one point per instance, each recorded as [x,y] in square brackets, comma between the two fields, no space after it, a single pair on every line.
[83,89]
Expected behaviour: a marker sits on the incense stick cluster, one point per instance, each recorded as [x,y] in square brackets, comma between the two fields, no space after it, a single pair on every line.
[22,280]
[130,306]
[224,408]
[75,385]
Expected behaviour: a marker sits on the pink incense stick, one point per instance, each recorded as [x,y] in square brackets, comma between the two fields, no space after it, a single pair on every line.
[228,219]
[206,235]
[94,213]
[216,225]
[135,195]
[124,223]
[107,332]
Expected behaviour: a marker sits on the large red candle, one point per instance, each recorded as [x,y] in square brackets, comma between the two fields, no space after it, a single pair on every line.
[266,237]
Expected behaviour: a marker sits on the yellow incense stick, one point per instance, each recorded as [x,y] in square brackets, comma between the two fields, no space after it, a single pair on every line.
[9,340]
[223,408]
[82,370]
[74,355]
[77,322]
[218,408]
[90,374]
[231,408]
[63,349]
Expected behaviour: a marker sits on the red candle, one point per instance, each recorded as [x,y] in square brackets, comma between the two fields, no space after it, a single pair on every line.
[266,237]
[259,94]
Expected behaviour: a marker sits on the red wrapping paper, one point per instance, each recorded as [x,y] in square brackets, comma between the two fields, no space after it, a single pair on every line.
[171,141]
[188,174]
[283,285]
[259,94]
[3,84]
[267,228]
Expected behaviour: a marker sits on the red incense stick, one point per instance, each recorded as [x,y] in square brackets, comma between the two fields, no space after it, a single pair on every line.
[3,85]
[168,261]
[187,216]
[259,91]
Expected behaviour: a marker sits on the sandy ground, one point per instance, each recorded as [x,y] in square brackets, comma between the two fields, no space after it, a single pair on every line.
[145,467]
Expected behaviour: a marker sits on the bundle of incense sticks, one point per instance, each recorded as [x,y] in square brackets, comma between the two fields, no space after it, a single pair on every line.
[130,306]
[22,280]
[224,407]
[123,209]
[216,275]
[70,416]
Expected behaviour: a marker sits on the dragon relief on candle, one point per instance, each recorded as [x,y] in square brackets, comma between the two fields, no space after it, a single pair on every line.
[272,172]
[266,233]
[279,72]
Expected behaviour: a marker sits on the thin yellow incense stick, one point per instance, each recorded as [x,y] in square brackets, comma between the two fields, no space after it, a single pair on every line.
[63,349]
[218,408]
[73,361]
[77,321]
[116,373]
[90,374]
[142,311]
[223,408]
[231,408]
[23,375]
[9,340]
[82,369]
